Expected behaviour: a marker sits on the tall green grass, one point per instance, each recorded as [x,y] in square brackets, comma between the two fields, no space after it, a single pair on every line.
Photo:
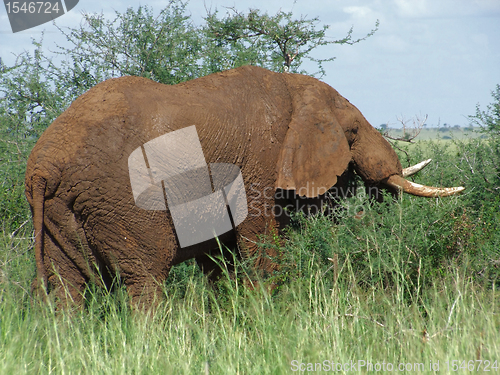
[411,281]
[315,315]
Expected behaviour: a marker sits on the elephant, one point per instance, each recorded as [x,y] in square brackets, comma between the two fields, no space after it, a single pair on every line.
[123,179]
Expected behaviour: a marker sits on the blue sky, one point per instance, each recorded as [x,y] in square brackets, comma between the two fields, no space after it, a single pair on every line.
[435,57]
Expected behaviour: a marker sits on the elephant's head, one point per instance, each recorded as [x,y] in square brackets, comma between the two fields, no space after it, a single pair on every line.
[325,134]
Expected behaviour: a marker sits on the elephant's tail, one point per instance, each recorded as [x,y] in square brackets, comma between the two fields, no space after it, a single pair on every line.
[38,186]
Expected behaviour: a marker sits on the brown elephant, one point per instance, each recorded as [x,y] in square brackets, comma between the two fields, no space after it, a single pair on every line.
[93,209]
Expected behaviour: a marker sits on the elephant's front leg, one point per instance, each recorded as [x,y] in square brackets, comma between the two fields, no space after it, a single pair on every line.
[145,274]
[266,218]
[145,290]
[220,258]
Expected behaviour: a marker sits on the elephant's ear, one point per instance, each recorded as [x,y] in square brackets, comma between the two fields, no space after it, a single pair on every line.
[315,150]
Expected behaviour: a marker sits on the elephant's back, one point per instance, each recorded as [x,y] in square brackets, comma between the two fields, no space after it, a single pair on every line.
[241,117]
[86,142]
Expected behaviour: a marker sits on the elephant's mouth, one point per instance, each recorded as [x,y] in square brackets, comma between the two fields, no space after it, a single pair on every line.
[400,183]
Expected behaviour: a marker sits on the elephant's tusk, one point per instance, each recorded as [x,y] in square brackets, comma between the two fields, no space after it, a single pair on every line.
[415,168]
[409,187]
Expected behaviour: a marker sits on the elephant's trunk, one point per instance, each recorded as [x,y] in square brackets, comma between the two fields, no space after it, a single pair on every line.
[409,187]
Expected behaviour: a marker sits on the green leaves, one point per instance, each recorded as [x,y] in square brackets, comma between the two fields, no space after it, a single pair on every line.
[164,48]
[278,43]
[489,120]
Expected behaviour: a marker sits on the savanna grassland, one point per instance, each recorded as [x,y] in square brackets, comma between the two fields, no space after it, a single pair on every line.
[411,284]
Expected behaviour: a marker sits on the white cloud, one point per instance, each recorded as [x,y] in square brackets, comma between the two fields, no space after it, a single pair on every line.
[446,8]
[484,6]
[358,12]
[412,8]
[392,43]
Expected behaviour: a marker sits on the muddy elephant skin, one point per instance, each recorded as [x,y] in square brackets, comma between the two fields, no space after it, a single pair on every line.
[283,131]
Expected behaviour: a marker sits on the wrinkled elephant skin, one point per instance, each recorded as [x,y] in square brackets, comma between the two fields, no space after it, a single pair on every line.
[282,131]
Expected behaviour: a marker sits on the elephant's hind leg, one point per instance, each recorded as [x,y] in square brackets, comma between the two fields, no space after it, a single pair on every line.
[66,281]
[67,259]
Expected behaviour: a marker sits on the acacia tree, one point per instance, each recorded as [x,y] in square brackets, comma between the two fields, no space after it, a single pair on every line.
[167,48]
[278,42]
